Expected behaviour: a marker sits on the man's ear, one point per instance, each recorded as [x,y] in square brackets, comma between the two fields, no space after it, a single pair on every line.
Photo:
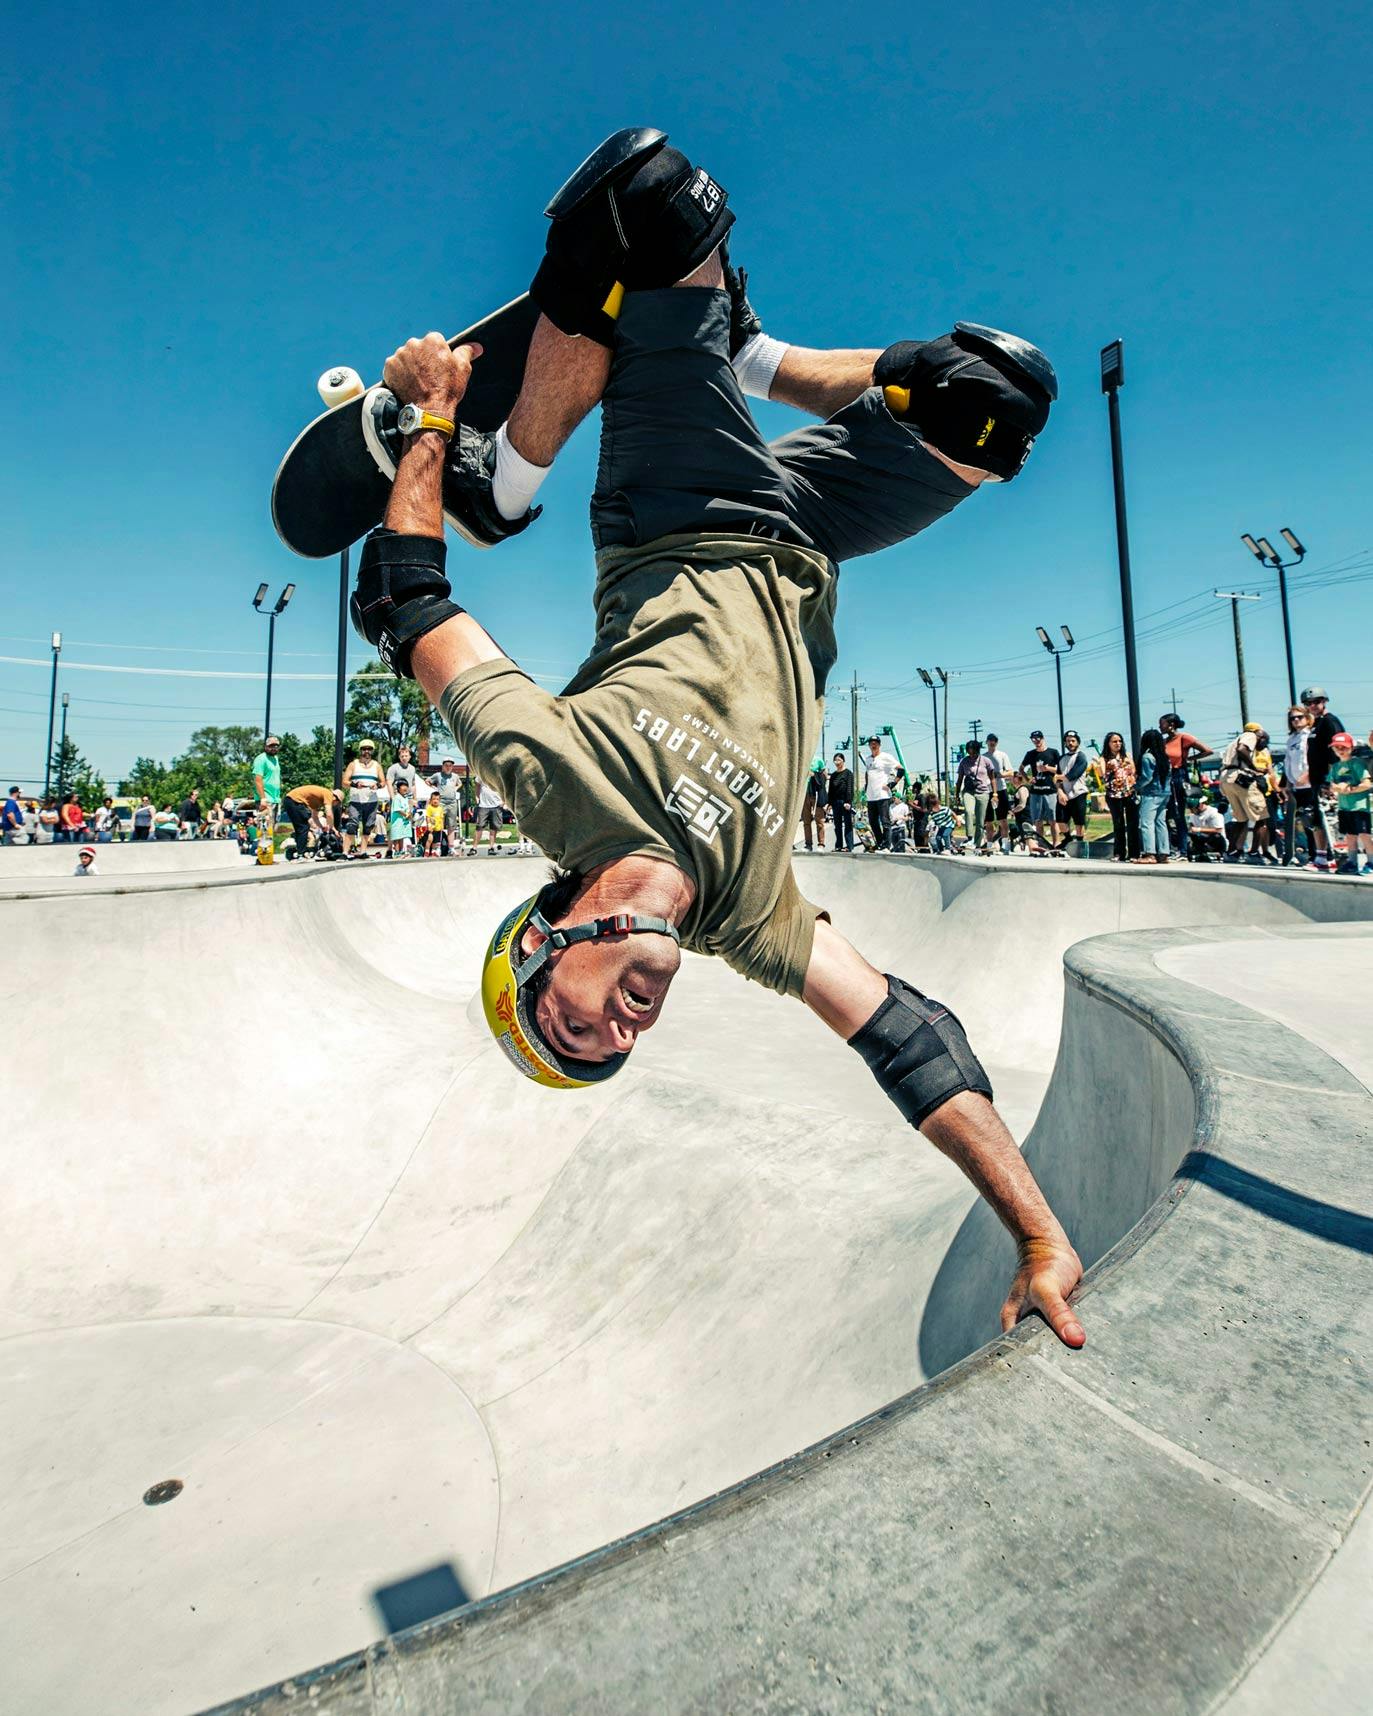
[531,940]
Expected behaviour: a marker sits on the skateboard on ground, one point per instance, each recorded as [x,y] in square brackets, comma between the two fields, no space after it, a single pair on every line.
[332,487]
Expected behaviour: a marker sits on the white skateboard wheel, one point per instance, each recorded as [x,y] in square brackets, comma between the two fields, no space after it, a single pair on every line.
[337,386]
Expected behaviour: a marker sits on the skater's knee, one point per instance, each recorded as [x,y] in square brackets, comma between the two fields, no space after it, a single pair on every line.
[635,214]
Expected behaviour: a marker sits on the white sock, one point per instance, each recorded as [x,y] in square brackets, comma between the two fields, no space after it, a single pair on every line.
[515,482]
[756,364]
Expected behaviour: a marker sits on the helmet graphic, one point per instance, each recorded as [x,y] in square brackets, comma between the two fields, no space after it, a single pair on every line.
[510,988]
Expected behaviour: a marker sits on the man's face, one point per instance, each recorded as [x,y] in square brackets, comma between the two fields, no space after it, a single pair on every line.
[1316,707]
[1072,741]
[1039,741]
[874,746]
[601,994]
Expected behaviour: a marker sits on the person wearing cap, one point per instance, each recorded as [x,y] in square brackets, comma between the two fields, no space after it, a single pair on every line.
[1241,782]
[267,782]
[813,805]
[1319,756]
[1072,790]
[365,785]
[1040,766]
[85,862]
[974,783]
[1180,748]
[11,818]
[448,784]
[1349,779]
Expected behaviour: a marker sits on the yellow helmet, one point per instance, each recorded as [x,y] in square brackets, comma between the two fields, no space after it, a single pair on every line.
[509,991]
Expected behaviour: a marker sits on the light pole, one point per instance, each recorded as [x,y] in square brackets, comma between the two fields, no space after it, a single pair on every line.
[944,678]
[52,711]
[1058,654]
[1266,555]
[1235,597]
[934,704]
[62,748]
[1112,378]
[272,613]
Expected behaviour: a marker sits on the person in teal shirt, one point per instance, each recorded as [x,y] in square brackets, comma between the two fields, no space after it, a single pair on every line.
[1349,777]
[401,819]
[267,780]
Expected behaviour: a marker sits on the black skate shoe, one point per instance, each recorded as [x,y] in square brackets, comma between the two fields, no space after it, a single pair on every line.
[468,503]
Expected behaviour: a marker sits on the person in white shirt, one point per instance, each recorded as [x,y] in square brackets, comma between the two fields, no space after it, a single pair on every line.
[85,862]
[1205,832]
[999,818]
[490,815]
[881,773]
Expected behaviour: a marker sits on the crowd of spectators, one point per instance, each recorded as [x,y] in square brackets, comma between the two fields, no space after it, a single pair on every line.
[1176,799]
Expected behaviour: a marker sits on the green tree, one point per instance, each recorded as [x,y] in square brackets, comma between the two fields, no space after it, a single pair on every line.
[146,776]
[391,711]
[307,762]
[72,773]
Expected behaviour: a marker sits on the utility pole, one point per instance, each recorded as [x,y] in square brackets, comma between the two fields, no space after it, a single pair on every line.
[853,720]
[948,752]
[62,749]
[1235,597]
[1112,376]
[975,728]
[52,711]
[1266,555]
[1173,697]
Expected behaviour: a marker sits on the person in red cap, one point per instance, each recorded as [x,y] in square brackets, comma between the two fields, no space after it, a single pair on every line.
[85,862]
[1349,777]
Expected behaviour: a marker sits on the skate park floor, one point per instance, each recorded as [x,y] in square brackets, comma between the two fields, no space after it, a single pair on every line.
[409,1332]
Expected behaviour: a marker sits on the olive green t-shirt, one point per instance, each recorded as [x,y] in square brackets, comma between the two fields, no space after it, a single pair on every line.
[684,736]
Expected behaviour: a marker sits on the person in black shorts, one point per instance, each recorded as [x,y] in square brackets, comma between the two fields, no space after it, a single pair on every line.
[1040,767]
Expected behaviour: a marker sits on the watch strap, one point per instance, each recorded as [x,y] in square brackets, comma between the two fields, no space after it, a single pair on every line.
[414,421]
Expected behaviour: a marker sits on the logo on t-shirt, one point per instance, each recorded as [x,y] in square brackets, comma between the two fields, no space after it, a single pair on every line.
[702,812]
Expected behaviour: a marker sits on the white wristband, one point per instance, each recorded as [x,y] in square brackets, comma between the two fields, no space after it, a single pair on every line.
[756,364]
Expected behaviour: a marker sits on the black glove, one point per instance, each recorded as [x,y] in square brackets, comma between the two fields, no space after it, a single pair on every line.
[401,594]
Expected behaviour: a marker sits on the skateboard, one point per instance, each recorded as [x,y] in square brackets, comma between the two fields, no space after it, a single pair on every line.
[333,485]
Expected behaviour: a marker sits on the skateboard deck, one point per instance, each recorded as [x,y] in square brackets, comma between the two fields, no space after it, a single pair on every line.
[329,489]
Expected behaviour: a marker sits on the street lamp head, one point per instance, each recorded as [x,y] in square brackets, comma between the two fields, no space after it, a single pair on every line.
[1251,545]
[257,600]
[56,642]
[943,676]
[286,595]
[1043,637]
[1067,636]
[1290,539]
[66,699]
[1269,552]
[925,676]
[1112,366]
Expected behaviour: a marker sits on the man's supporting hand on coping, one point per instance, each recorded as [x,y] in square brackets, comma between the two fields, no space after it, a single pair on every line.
[917,1051]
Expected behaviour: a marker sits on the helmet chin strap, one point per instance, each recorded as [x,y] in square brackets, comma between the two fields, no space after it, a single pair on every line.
[595,929]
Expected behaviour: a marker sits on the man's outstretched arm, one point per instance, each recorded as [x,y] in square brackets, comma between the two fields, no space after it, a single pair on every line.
[908,1051]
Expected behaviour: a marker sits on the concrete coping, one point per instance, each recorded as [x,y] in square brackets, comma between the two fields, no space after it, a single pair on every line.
[1123,1528]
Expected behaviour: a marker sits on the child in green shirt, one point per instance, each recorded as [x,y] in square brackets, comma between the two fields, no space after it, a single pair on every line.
[1349,777]
[401,818]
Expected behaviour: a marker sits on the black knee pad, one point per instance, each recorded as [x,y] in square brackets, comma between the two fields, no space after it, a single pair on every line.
[635,214]
[918,1052]
[978,395]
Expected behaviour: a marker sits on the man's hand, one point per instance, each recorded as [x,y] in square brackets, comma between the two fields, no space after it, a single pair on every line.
[430,374]
[1049,1270]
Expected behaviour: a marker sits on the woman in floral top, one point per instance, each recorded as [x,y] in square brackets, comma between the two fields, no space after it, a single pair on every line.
[1118,773]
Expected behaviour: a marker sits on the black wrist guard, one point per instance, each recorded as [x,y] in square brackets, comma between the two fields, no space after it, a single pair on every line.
[401,594]
[918,1052]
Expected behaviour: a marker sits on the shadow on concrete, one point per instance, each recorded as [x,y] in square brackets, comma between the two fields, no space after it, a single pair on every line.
[436,1591]
[1326,1221]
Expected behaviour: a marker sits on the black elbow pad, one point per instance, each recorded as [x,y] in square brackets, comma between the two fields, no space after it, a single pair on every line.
[918,1052]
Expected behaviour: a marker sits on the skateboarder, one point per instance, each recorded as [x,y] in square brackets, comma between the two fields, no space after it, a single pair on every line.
[666,780]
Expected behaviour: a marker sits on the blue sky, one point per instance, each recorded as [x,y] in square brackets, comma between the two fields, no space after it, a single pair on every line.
[206,207]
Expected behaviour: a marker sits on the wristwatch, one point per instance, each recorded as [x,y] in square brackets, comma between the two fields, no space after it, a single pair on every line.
[412,420]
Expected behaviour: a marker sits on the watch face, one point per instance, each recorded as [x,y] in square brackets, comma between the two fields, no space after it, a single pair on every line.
[409,419]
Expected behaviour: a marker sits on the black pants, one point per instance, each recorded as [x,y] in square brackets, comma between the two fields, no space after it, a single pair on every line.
[299,817]
[879,820]
[1177,809]
[1125,827]
[680,450]
[843,825]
